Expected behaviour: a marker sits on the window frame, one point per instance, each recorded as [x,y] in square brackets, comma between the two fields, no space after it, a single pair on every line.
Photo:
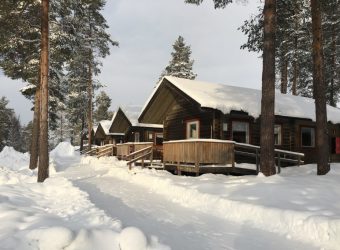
[157,135]
[312,137]
[247,130]
[279,135]
[137,135]
[148,134]
[187,128]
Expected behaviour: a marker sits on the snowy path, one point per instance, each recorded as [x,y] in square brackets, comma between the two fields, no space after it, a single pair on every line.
[174,225]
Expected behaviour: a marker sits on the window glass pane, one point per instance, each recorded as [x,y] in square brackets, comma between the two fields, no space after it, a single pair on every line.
[150,136]
[277,134]
[192,129]
[136,137]
[240,126]
[240,132]
[159,139]
[307,137]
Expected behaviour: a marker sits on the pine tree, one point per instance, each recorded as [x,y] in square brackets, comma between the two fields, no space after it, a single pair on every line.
[103,103]
[20,49]
[267,160]
[91,43]
[180,64]
[217,3]
[26,133]
[14,134]
[5,116]
[294,46]
[322,146]
[43,169]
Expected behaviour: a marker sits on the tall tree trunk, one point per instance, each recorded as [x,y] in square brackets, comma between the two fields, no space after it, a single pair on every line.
[284,71]
[284,76]
[34,149]
[296,57]
[267,160]
[61,128]
[322,146]
[89,116]
[295,76]
[43,151]
[332,100]
[82,133]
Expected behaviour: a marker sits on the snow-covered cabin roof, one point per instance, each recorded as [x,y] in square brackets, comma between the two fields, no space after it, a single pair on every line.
[106,124]
[95,129]
[227,98]
[132,112]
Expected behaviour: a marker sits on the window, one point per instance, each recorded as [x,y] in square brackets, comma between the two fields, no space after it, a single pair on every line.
[159,138]
[240,132]
[277,134]
[225,127]
[136,136]
[192,129]
[307,137]
[150,135]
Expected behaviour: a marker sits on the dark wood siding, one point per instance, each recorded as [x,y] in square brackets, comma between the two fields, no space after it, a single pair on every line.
[143,133]
[183,112]
[121,123]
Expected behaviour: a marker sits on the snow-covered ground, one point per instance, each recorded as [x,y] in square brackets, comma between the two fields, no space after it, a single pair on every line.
[90,203]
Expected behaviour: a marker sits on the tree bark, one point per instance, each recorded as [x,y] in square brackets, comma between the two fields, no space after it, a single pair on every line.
[296,57]
[89,116]
[267,160]
[322,146]
[332,100]
[43,172]
[284,72]
[82,133]
[34,149]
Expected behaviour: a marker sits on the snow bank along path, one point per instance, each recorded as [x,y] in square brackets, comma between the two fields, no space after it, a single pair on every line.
[55,215]
[302,226]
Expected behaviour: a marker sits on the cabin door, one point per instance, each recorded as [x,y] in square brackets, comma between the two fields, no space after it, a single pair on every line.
[335,145]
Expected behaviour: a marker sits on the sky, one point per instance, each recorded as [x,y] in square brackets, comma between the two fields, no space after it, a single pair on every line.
[146,30]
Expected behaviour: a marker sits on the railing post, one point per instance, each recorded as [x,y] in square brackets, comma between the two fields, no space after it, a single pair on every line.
[257,160]
[151,156]
[279,162]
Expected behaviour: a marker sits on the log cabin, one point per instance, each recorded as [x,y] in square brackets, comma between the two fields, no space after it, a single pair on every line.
[125,122]
[103,136]
[190,109]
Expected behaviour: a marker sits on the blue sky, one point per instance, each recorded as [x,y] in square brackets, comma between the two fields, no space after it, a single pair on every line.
[146,30]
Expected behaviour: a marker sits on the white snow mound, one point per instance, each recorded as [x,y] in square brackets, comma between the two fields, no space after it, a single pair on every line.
[63,149]
[131,238]
[12,159]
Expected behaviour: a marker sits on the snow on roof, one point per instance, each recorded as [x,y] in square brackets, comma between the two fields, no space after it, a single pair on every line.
[227,98]
[106,124]
[132,112]
[95,129]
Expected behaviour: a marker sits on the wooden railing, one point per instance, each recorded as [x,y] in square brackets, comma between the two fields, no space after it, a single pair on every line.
[106,150]
[185,154]
[89,152]
[141,154]
[127,148]
[253,151]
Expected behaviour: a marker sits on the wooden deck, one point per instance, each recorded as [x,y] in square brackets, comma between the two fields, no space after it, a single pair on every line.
[191,155]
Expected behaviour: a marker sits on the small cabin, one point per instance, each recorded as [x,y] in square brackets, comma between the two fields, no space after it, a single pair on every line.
[125,122]
[190,109]
[102,135]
